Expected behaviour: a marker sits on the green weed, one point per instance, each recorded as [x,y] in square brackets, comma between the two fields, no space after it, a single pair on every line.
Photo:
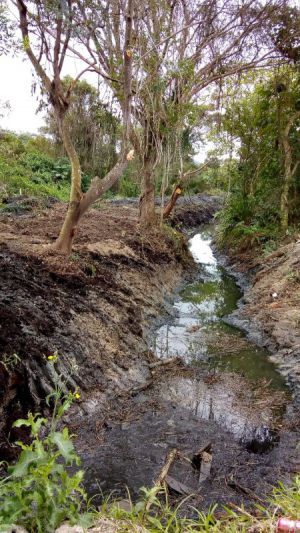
[40,491]
[10,361]
[154,513]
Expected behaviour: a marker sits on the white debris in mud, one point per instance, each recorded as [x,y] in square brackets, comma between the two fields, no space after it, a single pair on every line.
[104,525]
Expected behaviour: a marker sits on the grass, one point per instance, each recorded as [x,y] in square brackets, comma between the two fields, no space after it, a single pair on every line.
[155,514]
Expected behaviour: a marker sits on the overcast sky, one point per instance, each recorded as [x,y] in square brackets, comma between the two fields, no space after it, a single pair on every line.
[16,87]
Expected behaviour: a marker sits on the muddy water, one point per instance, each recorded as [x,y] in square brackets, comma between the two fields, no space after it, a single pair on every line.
[199,333]
[227,396]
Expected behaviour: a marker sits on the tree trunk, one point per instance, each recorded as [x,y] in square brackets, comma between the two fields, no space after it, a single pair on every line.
[178,189]
[77,208]
[177,192]
[289,171]
[147,198]
[80,202]
[67,233]
[284,206]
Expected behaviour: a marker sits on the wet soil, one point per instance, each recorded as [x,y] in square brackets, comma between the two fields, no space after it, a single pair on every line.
[93,308]
[96,310]
[131,453]
[270,310]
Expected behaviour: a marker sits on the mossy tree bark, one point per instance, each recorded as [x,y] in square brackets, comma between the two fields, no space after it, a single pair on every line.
[147,198]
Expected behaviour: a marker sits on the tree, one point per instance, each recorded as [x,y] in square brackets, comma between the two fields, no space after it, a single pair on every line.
[93,128]
[7,30]
[285,33]
[288,112]
[262,117]
[180,49]
[47,30]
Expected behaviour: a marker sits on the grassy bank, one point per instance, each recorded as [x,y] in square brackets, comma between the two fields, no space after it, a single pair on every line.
[154,514]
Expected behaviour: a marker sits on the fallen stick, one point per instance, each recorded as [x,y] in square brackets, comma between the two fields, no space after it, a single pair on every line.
[165,469]
[136,390]
[163,362]
[159,481]
[236,486]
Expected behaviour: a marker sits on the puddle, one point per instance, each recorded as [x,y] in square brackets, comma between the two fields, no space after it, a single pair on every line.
[247,413]
[199,333]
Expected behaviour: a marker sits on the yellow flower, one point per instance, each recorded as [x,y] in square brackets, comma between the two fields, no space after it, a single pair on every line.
[77,395]
[52,358]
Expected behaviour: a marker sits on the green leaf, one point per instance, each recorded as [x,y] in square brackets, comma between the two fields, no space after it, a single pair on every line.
[36,426]
[22,422]
[26,458]
[63,442]
[155,522]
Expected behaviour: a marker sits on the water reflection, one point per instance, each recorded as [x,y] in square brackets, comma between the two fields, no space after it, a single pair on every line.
[198,333]
[218,402]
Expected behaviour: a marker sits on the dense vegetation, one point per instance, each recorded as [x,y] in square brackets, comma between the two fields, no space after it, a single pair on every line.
[35,165]
[28,165]
[261,124]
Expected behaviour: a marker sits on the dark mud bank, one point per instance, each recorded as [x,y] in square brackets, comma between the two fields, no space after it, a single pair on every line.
[92,309]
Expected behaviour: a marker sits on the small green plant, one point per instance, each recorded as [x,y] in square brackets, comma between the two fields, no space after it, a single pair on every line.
[74,257]
[294,276]
[269,247]
[10,361]
[40,492]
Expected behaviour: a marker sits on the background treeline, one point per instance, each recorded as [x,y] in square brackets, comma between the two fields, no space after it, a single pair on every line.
[37,164]
[258,139]
[255,162]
